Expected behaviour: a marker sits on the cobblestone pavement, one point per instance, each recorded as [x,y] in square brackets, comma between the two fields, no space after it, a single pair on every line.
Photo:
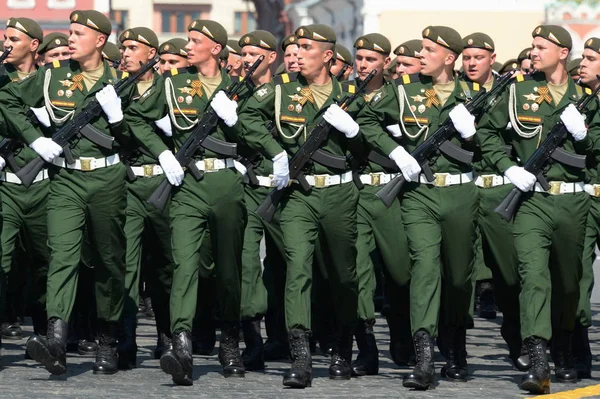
[491,374]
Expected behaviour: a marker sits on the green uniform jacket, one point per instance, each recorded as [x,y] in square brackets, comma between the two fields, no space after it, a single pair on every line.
[593,161]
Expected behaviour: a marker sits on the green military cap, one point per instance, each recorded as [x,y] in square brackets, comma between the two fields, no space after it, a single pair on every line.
[573,66]
[343,54]
[510,65]
[141,35]
[554,33]
[280,69]
[317,32]
[524,55]
[211,29]
[52,41]
[27,26]
[497,66]
[593,43]
[224,54]
[234,47]
[259,38]
[479,40]
[92,19]
[410,48]
[174,46]
[444,36]
[289,39]
[374,42]
[111,52]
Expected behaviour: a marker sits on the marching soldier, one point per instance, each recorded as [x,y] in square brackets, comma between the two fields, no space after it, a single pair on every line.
[172,55]
[407,57]
[113,55]
[343,60]
[55,46]
[235,58]
[289,46]
[524,60]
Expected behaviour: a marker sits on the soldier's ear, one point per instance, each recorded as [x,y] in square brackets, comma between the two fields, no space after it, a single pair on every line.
[33,45]
[101,40]
[216,49]
[563,53]
[272,57]
[152,53]
[387,62]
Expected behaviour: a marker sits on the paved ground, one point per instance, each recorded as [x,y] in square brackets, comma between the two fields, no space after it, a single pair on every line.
[492,376]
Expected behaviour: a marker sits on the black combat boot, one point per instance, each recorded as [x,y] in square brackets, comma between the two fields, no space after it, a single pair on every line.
[106,356]
[581,351]
[341,358]
[12,331]
[455,368]
[517,350]
[300,373]
[178,362]
[537,380]
[487,302]
[367,361]
[562,354]
[163,344]
[423,375]
[253,356]
[127,344]
[51,351]
[229,350]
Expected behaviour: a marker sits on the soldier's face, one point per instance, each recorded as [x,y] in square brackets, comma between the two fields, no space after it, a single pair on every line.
[407,65]
[589,67]
[337,67]
[367,61]
[290,58]
[251,53]
[22,45]
[435,58]
[200,48]
[545,55]
[84,41]
[170,61]
[58,53]
[313,56]
[526,65]
[477,64]
[236,64]
[135,53]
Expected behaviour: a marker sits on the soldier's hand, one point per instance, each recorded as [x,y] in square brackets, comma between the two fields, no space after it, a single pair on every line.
[171,167]
[281,170]
[574,122]
[46,148]
[42,115]
[520,178]
[164,124]
[2,163]
[225,108]
[409,166]
[110,103]
[394,130]
[341,120]
[463,121]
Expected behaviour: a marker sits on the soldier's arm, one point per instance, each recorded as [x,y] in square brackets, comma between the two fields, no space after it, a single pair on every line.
[252,130]
[594,138]
[489,128]
[373,119]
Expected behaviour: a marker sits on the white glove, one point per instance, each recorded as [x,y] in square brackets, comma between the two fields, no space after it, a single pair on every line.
[2,163]
[281,170]
[240,168]
[520,178]
[341,120]
[408,165]
[171,167]
[574,122]
[463,121]
[225,108]
[46,148]
[110,103]
[42,115]
[164,124]
[394,130]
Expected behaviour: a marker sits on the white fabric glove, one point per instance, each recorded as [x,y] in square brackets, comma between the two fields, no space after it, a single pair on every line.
[408,165]
[2,163]
[46,148]
[42,115]
[341,120]
[574,122]
[164,124]
[394,130]
[110,103]
[171,167]
[240,168]
[520,178]
[463,121]
[225,108]
[281,170]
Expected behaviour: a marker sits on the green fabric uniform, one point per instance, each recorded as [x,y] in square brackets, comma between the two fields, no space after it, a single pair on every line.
[215,203]
[548,229]
[439,221]
[77,198]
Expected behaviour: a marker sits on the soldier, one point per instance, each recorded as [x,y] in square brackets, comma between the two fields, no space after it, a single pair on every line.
[113,55]
[172,55]
[55,46]
[549,226]
[439,215]
[90,191]
[510,65]
[573,68]
[408,57]
[289,47]
[223,57]
[343,60]
[524,61]
[235,58]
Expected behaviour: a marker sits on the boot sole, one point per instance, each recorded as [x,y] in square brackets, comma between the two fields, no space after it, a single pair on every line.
[417,385]
[12,337]
[340,377]
[41,354]
[534,388]
[105,372]
[295,383]
[171,366]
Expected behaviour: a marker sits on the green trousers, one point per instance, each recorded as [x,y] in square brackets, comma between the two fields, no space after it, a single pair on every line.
[148,232]
[379,229]
[256,286]
[586,284]
[215,204]
[96,200]
[329,215]
[549,233]
[440,226]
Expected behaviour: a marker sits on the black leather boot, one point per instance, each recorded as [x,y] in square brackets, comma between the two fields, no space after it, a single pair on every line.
[12,331]
[300,373]
[423,375]
[163,344]
[51,351]
[537,380]
[127,345]
[229,350]
[562,354]
[367,361]
[179,362]
[517,350]
[581,351]
[87,348]
[341,358]
[455,368]
[253,356]
[106,356]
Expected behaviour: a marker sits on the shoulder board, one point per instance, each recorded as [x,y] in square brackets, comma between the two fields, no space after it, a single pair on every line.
[177,71]
[523,78]
[57,64]
[285,78]
[470,84]
[349,86]
[122,74]
[408,79]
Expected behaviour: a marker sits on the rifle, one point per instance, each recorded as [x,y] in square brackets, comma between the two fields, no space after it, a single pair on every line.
[342,72]
[439,141]
[3,57]
[7,149]
[306,152]
[197,139]
[550,148]
[80,126]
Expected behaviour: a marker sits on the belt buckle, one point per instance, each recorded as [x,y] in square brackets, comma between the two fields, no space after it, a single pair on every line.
[488,181]
[554,187]
[86,164]
[596,190]
[440,180]
[209,164]
[375,179]
[320,180]
[148,170]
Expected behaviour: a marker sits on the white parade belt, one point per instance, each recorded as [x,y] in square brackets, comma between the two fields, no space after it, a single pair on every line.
[147,170]
[88,164]
[489,181]
[13,178]
[447,179]
[214,164]
[377,179]
[322,181]
[592,189]
[560,187]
